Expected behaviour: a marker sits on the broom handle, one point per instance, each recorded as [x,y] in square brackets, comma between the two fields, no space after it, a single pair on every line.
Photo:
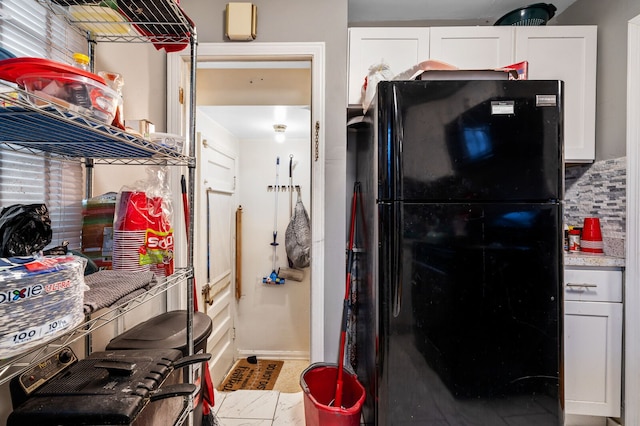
[290,185]
[347,295]
[208,398]
[275,217]
[185,207]
[275,214]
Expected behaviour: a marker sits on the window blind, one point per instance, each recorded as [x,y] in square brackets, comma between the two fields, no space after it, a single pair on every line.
[28,28]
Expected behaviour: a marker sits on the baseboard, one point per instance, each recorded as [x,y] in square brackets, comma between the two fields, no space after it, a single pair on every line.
[283,355]
[576,420]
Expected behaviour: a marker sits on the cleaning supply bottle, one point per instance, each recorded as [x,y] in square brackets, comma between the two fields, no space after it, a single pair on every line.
[80,60]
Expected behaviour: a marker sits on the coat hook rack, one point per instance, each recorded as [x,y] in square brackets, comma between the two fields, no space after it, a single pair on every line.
[284,188]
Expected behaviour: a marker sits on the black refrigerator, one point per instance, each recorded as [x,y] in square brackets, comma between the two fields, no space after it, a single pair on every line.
[459,299]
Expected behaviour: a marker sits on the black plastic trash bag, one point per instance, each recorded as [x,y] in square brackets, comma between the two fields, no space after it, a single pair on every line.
[25,229]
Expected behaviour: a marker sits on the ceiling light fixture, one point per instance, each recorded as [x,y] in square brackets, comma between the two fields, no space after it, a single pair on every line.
[279,129]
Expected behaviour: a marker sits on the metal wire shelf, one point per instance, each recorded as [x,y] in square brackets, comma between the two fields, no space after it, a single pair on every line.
[15,366]
[161,22]
[70,135]
[74,136]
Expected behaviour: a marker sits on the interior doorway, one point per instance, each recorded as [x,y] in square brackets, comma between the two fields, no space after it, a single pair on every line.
[229,311]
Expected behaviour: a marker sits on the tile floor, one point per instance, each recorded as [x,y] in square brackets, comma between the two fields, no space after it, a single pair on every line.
[283,406]
[259,408]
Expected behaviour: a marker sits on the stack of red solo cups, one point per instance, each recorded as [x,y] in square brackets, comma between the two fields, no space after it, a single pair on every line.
[142,235]
[591,241]
[129,227]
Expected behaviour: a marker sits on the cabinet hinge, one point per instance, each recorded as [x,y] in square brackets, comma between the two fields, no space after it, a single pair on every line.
[233,333]
[181,95]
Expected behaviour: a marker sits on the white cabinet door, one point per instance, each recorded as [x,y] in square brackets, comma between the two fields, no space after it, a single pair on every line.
[400,48]
[593,358]
[566,53]
[473,47]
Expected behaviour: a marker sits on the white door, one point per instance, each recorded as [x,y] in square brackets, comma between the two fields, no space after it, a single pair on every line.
[214,250]
[177,77]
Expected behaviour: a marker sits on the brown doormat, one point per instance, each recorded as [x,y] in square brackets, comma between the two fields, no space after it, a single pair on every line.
[260,376]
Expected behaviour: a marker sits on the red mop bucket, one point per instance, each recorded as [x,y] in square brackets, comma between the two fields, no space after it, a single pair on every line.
[318,382]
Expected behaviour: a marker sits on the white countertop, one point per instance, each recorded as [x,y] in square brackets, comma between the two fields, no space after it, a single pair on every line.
[584,259]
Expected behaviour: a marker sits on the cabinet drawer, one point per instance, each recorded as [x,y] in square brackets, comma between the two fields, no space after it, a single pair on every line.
[593,284]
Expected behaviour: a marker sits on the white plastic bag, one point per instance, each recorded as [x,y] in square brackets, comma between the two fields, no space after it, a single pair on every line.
[377,73]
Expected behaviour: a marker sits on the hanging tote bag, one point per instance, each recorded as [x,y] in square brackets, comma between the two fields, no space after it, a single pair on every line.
[297,238]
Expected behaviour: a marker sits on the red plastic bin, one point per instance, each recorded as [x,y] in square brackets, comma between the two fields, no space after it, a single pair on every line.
[318,382]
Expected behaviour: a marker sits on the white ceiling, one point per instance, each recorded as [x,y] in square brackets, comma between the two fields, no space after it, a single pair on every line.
[256,122]
[251,116]
[436,10]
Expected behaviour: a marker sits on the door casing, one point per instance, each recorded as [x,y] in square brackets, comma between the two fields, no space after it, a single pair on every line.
[178,89]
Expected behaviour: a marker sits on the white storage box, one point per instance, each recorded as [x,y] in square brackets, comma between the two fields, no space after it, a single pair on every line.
[40,299]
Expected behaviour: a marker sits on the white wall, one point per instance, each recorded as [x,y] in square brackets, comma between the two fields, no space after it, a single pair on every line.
[305,21]
[144,71]
[271,319]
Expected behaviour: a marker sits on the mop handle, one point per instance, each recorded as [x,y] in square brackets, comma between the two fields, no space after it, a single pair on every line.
[347,297]
[290,185]
[275,215]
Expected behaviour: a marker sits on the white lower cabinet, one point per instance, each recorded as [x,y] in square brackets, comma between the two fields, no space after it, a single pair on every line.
[593,321]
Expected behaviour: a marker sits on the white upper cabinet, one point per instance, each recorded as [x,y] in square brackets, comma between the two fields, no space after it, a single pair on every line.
[566,53]
[472,47]
[400,48]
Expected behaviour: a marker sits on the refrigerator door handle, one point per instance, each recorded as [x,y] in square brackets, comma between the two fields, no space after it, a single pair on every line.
[396,261]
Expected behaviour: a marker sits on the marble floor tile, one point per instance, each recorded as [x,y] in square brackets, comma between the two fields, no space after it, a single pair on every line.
[218,398]
[249,404]
[274,408]
[244,422]
[289,410]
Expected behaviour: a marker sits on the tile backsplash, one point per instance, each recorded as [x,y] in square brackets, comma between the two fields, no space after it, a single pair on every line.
[599,190]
